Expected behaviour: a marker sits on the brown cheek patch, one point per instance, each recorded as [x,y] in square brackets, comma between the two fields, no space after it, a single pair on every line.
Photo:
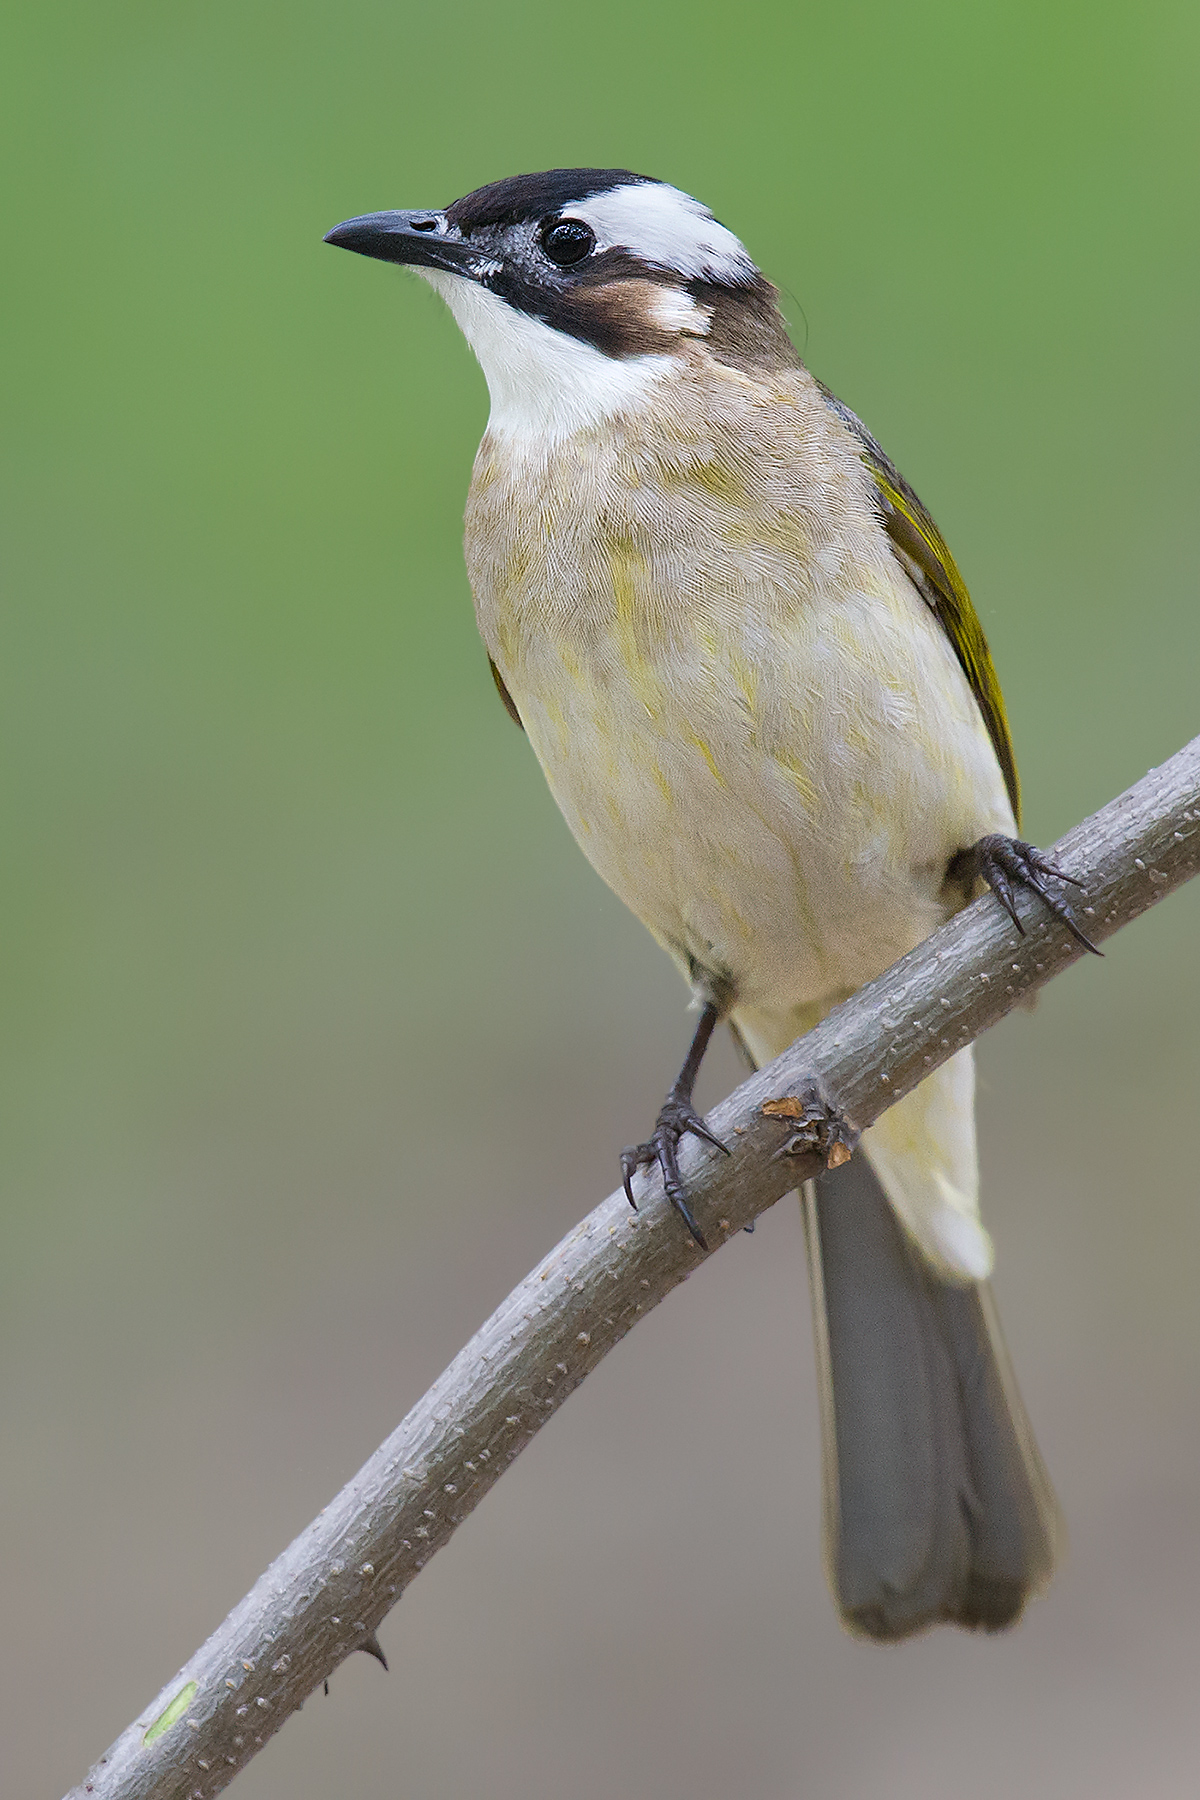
[619,317]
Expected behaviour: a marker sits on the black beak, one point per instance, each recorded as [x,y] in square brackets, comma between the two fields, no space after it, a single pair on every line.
[425,239]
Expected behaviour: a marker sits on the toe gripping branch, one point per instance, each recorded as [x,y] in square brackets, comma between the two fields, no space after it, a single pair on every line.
[1008,863]
[677,1116]
[1005,864]
[815,1125]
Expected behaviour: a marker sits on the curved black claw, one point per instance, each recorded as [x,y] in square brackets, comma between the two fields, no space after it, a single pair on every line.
[1003,860]
[676,1118]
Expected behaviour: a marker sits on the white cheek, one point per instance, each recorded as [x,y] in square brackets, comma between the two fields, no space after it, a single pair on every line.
[544,385]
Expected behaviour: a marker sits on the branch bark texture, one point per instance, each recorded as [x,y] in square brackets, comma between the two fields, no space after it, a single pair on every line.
[326,1594]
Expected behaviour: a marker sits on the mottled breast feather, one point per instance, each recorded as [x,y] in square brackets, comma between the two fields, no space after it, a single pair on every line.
[914,538]
[926,557]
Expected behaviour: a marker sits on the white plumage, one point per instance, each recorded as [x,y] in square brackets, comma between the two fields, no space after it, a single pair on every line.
[665,228]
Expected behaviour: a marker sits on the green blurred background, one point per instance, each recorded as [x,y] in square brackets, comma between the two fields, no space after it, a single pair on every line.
[316,1028]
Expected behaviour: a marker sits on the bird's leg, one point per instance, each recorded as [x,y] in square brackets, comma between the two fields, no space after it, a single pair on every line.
[677,1116]
[1007,863]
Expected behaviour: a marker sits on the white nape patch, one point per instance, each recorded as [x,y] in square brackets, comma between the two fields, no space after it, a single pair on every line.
[674,309]
[663,225]
[544,385]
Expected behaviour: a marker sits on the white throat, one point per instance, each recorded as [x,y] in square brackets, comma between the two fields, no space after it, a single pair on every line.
[544,385]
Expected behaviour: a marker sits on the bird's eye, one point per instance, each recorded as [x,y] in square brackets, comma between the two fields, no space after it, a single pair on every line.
[568,241]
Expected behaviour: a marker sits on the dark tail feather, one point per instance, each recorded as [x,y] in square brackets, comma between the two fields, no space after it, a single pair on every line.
[937,1507]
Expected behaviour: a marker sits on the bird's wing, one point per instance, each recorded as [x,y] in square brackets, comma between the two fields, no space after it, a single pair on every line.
[927,560]
[510,705]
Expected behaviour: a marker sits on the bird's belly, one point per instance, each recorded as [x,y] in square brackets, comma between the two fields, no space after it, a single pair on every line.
[780,819]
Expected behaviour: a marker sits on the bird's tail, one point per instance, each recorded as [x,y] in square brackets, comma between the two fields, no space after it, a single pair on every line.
[937,1506]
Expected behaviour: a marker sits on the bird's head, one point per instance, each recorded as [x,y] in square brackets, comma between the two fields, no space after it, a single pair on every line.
[579,289]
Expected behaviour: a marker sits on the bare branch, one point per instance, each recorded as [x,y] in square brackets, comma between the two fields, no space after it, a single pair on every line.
[325,1596]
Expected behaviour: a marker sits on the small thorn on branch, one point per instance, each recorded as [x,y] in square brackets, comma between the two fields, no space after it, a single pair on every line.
[374,1648]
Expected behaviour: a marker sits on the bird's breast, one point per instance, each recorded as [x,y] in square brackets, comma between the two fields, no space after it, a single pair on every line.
[751,722]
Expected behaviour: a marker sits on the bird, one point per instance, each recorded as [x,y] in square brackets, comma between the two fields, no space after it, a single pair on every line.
[761,696]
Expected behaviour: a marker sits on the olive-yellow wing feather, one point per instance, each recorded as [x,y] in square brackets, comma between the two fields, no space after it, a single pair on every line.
[510,705]
[926,557]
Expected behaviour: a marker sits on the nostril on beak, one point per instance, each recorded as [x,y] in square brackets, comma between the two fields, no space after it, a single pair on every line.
[423,224]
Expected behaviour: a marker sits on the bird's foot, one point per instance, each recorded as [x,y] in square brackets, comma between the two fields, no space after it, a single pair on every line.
[815,1124]
[1007,863]
[676,1119]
